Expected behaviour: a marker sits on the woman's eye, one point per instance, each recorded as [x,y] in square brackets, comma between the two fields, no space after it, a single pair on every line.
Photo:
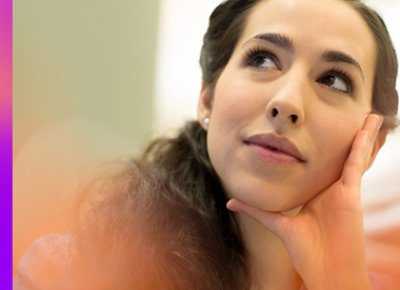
[262,59]
[264,62]
[338,82]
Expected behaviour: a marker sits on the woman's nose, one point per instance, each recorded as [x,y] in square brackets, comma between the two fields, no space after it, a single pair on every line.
[278,112]
[287,104]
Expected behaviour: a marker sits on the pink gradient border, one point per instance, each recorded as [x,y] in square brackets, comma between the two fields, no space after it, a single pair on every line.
[6,10]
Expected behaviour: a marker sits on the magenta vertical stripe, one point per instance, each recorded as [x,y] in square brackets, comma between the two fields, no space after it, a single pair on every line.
[6,144]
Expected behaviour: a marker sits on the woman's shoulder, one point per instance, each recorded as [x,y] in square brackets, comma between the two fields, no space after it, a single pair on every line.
[132,229]
[107,217]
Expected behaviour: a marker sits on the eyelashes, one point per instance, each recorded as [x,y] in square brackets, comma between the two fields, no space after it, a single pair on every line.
[263,59]
[338,80]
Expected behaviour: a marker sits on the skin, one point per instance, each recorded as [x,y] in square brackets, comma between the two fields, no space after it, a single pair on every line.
[337,137]
[241,103]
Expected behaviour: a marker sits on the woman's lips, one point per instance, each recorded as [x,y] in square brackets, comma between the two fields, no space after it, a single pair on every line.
[274,148]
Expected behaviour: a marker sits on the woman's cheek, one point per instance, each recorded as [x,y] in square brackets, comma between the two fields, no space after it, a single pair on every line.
[341,140]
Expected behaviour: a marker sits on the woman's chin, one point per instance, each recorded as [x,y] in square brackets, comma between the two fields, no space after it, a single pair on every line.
[287,208]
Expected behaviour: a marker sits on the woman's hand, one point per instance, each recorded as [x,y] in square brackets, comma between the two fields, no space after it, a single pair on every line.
[325,241]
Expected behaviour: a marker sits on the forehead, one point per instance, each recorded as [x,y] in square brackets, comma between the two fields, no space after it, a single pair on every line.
[316,26]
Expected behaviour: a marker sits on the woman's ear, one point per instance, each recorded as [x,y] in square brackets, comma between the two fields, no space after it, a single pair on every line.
[380,140]
[204,106]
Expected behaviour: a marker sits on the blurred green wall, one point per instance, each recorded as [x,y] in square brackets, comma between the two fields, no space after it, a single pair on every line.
[83,93]
[87,59]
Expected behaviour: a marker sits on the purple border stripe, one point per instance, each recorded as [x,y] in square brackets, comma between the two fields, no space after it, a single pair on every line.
[6,144]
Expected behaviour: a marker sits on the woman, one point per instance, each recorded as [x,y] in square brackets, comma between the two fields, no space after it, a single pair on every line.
[263,192]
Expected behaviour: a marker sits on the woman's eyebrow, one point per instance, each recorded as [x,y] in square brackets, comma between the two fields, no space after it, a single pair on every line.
[277,39]
[338,56]
[286,43]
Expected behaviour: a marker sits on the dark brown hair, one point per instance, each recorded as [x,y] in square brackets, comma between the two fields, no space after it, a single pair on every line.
[385,96]
[159,222]
[226,24]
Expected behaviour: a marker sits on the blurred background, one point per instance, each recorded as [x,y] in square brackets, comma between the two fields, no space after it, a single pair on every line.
[95,80]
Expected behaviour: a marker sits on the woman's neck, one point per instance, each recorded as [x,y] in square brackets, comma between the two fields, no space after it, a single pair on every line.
[267,258]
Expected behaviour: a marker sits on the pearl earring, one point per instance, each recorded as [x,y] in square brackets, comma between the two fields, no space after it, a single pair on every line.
[206,121]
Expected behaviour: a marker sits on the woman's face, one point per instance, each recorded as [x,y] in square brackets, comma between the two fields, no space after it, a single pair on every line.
[286,107]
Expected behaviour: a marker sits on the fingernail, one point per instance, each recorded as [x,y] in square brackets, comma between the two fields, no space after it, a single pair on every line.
[231,205]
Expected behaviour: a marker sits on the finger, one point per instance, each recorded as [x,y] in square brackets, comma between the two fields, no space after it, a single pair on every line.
[374,140]
[372,125]
[361,150]
[271,220]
